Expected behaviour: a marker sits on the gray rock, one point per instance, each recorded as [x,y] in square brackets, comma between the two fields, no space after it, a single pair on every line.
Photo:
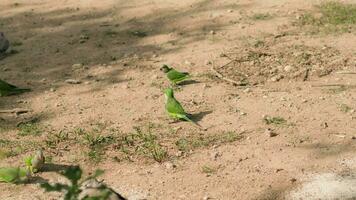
[73,81]
[93,188]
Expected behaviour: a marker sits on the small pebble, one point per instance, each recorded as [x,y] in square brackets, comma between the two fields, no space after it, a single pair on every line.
[247,90]
[270,133]
[293,180]
[73,81]
[77,66]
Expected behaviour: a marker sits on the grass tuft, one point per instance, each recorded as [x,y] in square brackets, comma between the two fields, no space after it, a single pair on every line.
[275,120]
[261,16]
[331,17]
[143,143]
[29,128]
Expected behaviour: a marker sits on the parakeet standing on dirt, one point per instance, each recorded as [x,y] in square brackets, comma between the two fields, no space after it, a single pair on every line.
[7,89]
[36,162]
[173,75]
[13,174]
[174,108]
[4,43]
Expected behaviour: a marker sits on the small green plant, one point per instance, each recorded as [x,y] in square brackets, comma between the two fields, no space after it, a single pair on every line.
[261,16]
[331,17]
[275,120]
[208,170]
[143,143]
[186,144]
[29,128]
[54,139]
[111,33]
[95,141]
[337,90]
[345,108]
[138,33]
[16,43]
[72,190]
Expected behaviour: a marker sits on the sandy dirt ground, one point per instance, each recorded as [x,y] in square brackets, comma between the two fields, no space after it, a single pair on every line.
[114,49]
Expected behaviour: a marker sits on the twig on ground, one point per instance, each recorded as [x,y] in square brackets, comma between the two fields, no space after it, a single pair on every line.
[17,111]
[219,75]
[345,72]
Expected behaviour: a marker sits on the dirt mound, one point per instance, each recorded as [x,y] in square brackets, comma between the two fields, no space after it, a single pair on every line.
[261,62]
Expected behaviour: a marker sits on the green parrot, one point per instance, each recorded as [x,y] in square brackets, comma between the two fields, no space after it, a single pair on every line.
[35,163]
[7,89]
[174,109]
[14,174]
[173,75]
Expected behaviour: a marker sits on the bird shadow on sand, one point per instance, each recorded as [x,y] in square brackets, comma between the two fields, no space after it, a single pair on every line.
[50,167]
[188,82]
[8,54]
[36,180]
[196,117]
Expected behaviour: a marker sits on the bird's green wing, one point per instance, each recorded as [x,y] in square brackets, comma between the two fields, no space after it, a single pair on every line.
[177,76]
[174,107]
[9,174]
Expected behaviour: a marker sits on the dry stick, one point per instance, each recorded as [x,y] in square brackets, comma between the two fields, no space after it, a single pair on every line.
[16,111]
[329,85]
[219,75]
[345,72]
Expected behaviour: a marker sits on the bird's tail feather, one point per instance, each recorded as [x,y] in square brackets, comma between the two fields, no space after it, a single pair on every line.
[189,120]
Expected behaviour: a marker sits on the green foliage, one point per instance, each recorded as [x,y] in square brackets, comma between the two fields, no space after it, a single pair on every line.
[261,16]
[186,144]
[331,17]
[56,138]
[138,33]
[208,170]
[143,143]
[345,108]
[72,190]
[29,128]
[275,120]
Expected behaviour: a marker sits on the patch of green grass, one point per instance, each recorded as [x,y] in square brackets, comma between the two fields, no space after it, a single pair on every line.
[54,139]
[275,120]
[345,108]
[95,141]
[186,144]
[16,43]
[143,143]
[331,17]
[261,16]
[337,90]
[29,128]
[111,33]
[139,33]
[9,148]
[208,170]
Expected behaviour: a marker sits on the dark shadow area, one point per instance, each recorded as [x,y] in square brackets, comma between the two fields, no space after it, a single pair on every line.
[50,42]
[272,194]
[199,116]
[51,167]
[36,180]
[323,150]
[188,82]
